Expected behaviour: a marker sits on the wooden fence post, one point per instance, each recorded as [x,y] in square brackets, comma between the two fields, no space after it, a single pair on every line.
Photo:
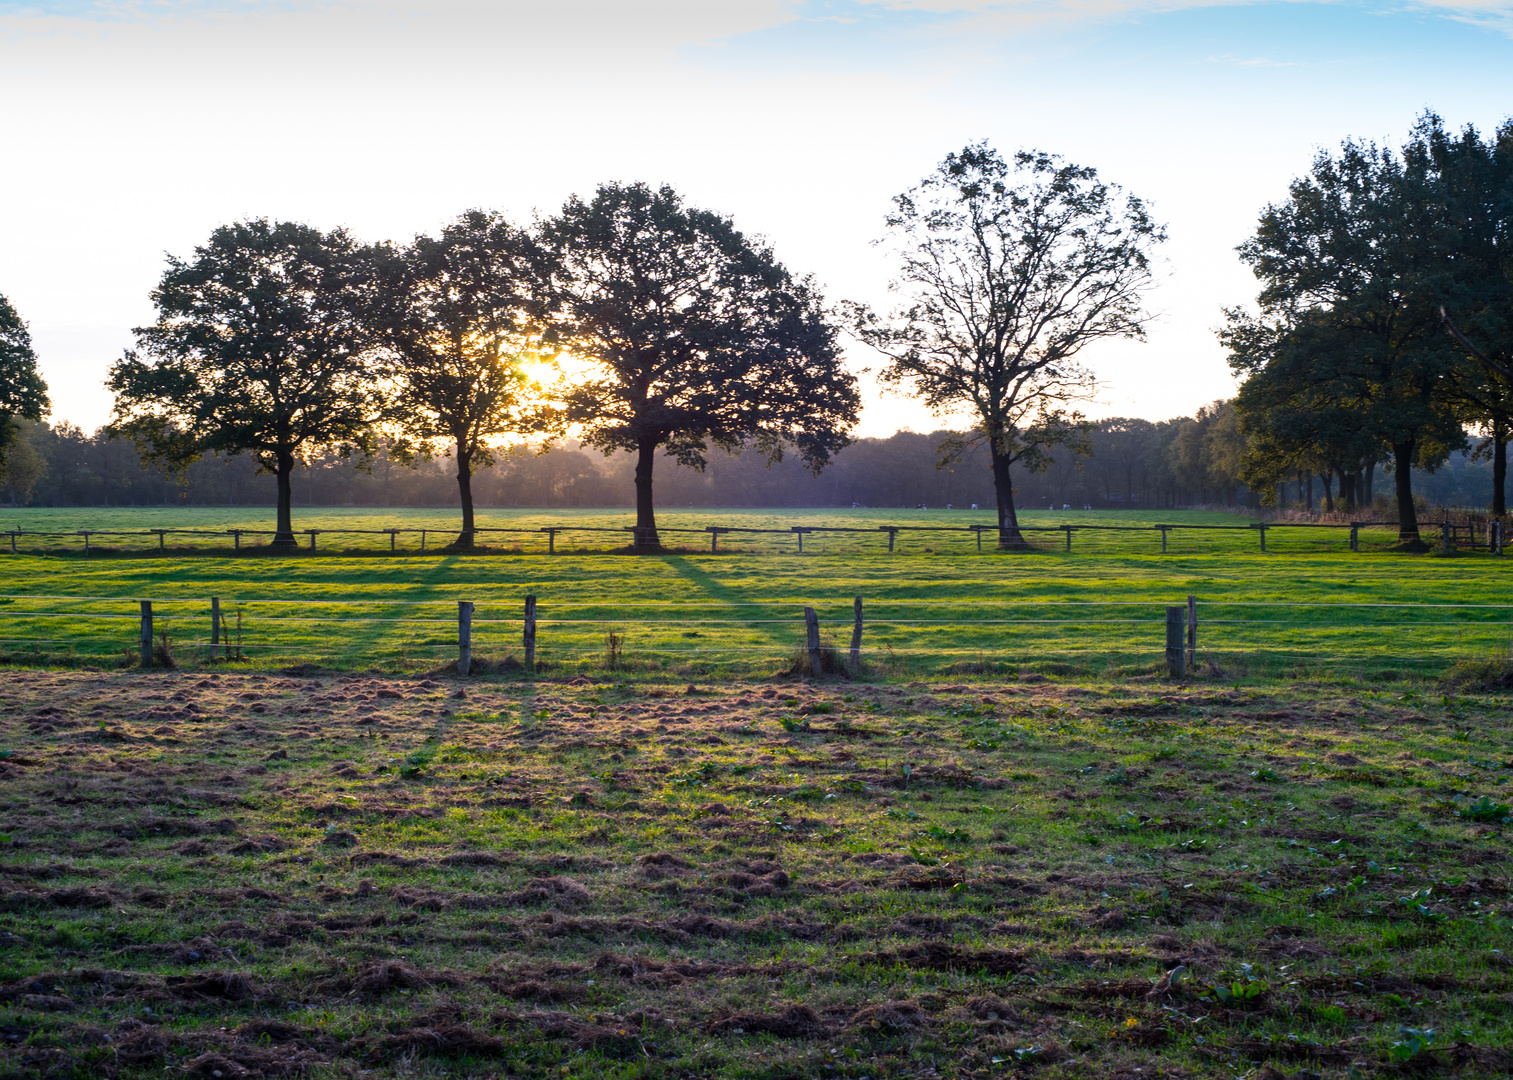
[1262,530]
[1355,536]
[215,626]
[1068,529]
[856,634]
[236,539]
[1163,538]
[551,541]
[812,629]
[530,634]
[1192,632]
[464,636]
[1175,653]
[160,533]
[86,541]
[146,633]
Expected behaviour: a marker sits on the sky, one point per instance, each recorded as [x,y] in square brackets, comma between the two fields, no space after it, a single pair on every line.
[129,129]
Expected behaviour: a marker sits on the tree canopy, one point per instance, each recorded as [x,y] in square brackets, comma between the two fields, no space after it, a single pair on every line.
[22,392]
[262,344]
[459,314]
[1008,270]
[692,335]
[1347,360]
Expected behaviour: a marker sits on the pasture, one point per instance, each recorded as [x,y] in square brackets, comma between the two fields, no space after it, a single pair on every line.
[934,606]
[1005,846]
[243,874]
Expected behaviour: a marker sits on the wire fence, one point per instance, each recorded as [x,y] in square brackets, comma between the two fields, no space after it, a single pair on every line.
[707,636]
[1278,537]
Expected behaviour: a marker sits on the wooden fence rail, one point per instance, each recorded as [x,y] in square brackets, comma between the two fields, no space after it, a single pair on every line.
[1490,536]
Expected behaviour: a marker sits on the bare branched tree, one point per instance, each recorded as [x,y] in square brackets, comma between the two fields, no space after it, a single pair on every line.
[1008,271]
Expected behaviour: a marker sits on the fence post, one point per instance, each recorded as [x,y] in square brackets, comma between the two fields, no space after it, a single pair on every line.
[551,541]
[312,538]
[1163,538]
[1355,536]
[1192,631]
[391,540]
[812,632]
[1068,529]
[236,539]
[86,541]
[464,636]
[978,530]
[1175,654]
[530,633]
[714,539]
[1262,530]
[146,633]
[891,534]
[215,626]
[856,633]
[160,533]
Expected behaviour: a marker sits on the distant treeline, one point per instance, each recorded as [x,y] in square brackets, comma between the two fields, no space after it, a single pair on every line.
[1185,461]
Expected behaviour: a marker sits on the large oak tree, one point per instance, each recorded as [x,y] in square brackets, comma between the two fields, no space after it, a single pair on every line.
[459,314]
[261,345]
[1008,270]
[692,335]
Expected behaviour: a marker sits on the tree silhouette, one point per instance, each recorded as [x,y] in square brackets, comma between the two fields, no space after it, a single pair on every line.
[458,314]
[1008,270]
[260,345]
[692,335]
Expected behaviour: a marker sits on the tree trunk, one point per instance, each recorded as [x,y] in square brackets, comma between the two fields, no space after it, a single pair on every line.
[1407,514]
[1370,484]
[646,539]
[1009,536]
[1328,481]
[284,473]
[1499,470]
[464,539]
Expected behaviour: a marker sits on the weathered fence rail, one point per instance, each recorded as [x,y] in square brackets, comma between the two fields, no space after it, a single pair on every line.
[1488,536]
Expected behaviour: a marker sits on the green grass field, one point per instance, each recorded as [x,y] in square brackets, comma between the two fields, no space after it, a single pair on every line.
[1353,615]
[1007,846]
[240,875]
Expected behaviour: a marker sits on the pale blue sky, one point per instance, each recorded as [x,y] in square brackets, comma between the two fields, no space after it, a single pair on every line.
[133,128]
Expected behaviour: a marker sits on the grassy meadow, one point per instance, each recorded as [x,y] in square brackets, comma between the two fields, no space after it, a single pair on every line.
[1008,845]
[242,874]
[701,616]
